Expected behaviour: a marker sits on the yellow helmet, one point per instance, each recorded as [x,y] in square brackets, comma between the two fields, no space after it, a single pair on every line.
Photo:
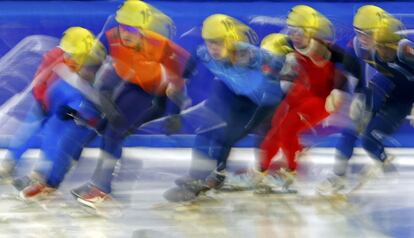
[96,55]
[144,16]
[304,17]
[369,17]
[77,41]
[313,23]
[276,43]
[325,29]
[231,30]
[163,25]
[390,31]
[82,45]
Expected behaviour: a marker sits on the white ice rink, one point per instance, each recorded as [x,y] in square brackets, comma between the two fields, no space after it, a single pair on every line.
[382,208]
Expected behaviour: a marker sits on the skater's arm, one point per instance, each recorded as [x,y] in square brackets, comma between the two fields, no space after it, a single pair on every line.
[178,65]
[405,52]
[346,63]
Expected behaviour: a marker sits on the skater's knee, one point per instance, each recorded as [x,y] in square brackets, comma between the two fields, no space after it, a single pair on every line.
[367,143]
[372,146]
[370,139]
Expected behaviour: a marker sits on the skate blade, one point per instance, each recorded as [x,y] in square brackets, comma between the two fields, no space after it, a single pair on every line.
[106,209]
[330,192]
[339,198]
[233,189]
[275,191]
[42,197]
[85,203]
[178,195]
[356,188]
[91,209]
[6,181]
[285,191]
[177,206]
[341,194]
[363,181]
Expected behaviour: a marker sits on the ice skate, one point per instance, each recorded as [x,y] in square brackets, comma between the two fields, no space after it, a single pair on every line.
[373,171]
[36,191]
[189,188]
[246,180]
[90,195]
[21,183]
[332,185]
[278,183]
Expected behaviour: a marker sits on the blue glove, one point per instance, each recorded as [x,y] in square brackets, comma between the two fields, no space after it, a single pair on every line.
[172,124]
[67,113]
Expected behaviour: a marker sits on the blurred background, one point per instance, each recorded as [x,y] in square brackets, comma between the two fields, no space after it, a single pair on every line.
[375,212]
[20,19]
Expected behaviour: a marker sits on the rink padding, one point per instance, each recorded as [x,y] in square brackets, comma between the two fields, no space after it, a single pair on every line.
[186,141]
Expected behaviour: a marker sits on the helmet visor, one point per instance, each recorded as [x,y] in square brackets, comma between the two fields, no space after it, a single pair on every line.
[130,29]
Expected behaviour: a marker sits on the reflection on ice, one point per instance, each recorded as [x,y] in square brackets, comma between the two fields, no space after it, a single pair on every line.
[378,209]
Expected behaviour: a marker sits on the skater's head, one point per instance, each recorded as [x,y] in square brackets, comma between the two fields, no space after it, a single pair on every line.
[224,37]
[366,21]
[81,48]
[130,36]
[277,44]
[136,17]
[305,23]
[387,37]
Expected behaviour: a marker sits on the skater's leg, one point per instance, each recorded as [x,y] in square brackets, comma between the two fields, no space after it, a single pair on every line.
[22,139]
[68,148]
[344,151]
[384,123]
[133,104]
[306,115]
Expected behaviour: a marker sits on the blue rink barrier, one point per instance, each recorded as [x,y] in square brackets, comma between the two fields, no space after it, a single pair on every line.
[187,141]
[19,19]
[184,141]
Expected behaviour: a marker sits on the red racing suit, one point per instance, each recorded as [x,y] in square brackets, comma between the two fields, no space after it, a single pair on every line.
[314,76]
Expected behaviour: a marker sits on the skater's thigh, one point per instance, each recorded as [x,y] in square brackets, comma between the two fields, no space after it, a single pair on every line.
[313,110]
[132,104]
[305,115]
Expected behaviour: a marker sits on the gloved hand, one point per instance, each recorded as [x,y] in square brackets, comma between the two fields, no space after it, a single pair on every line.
[172,124]
[359,112]
[179,97]
[357,108]
[186,104]
[334,100]
[412,116]
[67,113]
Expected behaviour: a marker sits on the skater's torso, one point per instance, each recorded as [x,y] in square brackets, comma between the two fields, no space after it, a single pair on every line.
[45,75]
[400,71]
[312,73]
[156,63]
[247,80]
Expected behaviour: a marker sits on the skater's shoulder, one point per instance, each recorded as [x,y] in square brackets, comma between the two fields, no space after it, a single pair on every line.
[202,54]
[361,52]
[53,54]
[405,51]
